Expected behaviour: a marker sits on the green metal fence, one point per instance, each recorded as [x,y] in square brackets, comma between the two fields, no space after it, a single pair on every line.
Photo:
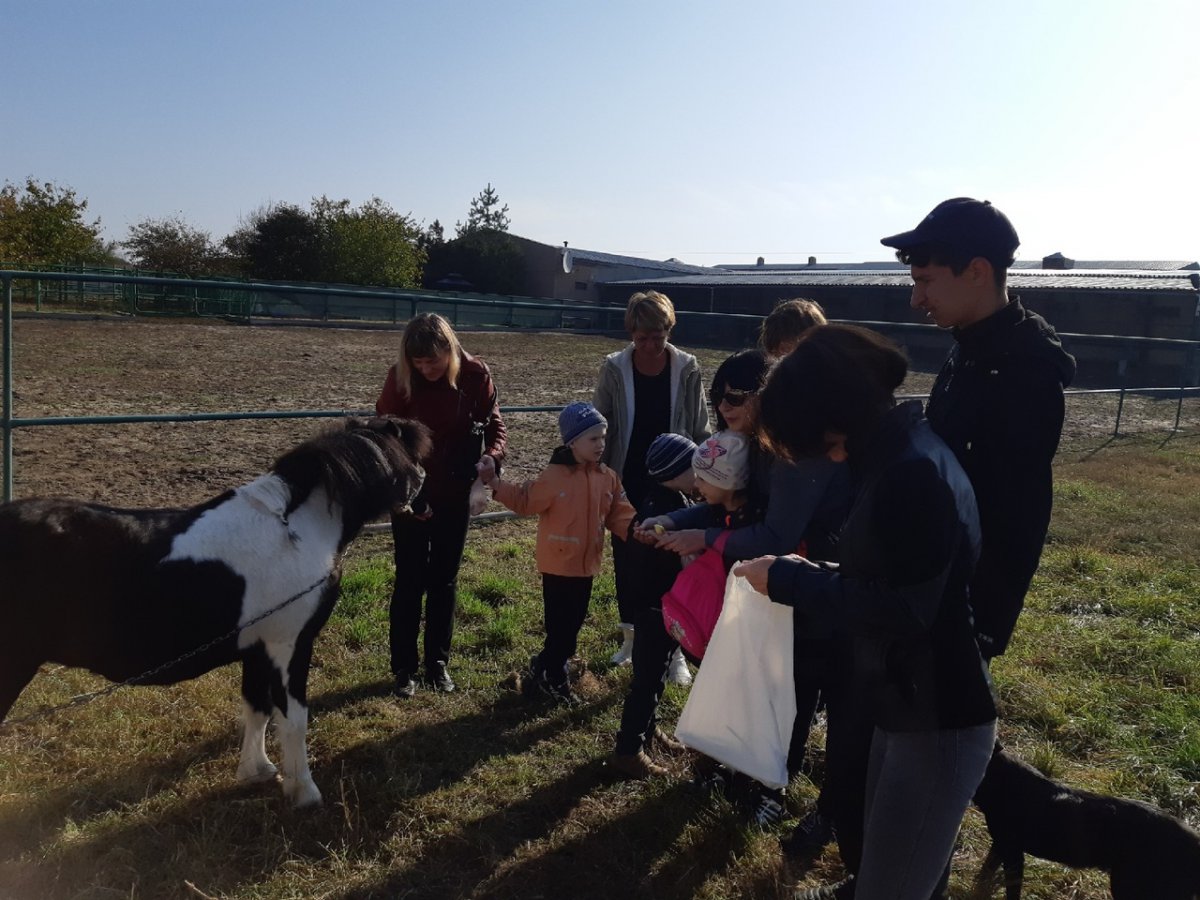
[161,295]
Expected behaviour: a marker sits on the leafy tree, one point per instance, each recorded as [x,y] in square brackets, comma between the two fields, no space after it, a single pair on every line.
[372,244]
[278,243]
[43,224]
[485,214]
[172,245]
[334,242]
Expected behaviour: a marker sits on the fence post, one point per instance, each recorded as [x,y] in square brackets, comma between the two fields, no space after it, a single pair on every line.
[6,415]
[1120,406]
[1178,410]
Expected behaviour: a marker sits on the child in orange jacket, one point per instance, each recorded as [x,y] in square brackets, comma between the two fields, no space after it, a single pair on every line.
[576,498]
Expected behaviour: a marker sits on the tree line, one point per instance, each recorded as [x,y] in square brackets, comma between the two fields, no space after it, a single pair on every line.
[331,241]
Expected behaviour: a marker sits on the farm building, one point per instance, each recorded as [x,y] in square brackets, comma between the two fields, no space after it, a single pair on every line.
[1098,304]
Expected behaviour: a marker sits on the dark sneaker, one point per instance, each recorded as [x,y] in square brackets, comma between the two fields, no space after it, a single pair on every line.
[439,679]
[714,780]
[635,765]
[842,890]
[664,741]
[558,691]
[769,809]
[811,836]
[405,686]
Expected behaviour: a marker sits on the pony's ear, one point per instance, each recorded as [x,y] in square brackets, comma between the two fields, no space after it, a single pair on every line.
[415,437]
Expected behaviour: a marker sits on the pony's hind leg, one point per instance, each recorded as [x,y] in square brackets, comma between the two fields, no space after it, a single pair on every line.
[257,673]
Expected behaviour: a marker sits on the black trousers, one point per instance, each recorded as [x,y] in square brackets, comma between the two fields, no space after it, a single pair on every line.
[428,554]
[565,601]
[626,579]
[847,753]
[810,672]
[652,650]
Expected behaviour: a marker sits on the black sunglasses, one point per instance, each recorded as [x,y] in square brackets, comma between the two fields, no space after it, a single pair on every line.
[733,398]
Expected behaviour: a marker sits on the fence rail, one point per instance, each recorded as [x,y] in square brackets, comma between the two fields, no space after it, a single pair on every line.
[507,311]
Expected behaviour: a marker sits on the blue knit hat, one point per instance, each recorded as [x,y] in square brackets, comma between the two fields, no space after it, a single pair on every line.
[669,456]
[576,418]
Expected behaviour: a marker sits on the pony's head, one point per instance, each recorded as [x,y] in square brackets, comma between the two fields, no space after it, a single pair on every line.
[367,466]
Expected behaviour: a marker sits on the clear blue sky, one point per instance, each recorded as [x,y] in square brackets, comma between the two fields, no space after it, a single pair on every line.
[707,131]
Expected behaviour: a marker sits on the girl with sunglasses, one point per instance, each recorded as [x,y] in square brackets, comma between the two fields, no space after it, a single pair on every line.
[799,507]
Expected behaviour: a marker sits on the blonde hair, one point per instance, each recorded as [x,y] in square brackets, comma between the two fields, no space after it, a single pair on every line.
[427,335]
[787,321]
[649,311]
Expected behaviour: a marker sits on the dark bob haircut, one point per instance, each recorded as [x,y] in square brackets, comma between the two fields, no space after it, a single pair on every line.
[839,379]
[744,371]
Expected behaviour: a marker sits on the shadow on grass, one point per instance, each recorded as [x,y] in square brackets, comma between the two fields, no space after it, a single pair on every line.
[629,856]
[25,828]
[121,829]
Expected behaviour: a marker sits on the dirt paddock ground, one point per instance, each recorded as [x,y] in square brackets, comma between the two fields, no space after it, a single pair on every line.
[124,367]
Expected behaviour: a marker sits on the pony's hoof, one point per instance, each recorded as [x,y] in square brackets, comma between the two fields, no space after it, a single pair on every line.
[258,775]
[302,794]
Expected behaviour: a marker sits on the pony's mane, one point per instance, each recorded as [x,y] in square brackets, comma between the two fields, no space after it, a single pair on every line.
[358,464]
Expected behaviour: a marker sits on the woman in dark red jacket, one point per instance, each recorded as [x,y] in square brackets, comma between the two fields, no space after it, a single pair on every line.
[439,384]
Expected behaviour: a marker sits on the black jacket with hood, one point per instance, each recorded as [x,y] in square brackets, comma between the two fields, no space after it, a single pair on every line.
[998,404]
[900,591]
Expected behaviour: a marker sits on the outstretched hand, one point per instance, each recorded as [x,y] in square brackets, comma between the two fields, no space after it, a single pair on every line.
[486,467]
[687,542]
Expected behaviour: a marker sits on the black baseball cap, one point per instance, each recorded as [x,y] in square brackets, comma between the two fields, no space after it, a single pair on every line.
[972,227]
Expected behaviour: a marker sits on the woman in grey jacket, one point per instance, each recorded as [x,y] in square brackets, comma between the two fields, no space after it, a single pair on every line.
[647,389]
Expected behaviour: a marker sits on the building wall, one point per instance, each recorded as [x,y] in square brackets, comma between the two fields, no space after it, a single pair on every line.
[1159,314]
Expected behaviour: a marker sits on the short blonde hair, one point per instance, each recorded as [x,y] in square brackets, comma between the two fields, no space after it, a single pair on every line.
[649,311]
[427,335]
[787,321]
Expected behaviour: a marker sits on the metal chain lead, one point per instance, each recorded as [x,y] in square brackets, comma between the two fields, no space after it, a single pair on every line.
[81,699]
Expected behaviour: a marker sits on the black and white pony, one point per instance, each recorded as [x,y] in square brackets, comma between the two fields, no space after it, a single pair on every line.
[123,592]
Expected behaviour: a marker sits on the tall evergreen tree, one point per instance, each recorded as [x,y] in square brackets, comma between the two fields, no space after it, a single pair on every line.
[486,214]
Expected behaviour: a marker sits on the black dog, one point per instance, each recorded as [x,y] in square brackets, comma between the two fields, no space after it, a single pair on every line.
[1148,854]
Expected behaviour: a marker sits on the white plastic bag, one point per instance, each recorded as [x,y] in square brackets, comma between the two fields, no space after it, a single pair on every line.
[743,703]
[478,499]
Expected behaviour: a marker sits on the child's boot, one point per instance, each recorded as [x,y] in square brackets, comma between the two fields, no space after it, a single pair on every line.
[679,673]
[624,656]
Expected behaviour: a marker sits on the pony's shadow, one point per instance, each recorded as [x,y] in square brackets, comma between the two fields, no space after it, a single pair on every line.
[364,788]
[24,828]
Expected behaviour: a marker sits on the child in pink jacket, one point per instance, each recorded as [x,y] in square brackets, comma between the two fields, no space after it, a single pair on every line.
[576,499]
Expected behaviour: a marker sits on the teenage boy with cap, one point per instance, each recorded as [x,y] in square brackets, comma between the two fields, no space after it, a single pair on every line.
[998,404]
[576,497]
[998,399]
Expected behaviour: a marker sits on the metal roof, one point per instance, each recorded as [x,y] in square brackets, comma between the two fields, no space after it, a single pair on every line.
[1144,265]
[1042,279]
[611,259]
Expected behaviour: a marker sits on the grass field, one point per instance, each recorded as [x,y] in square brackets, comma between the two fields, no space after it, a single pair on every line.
[483,794]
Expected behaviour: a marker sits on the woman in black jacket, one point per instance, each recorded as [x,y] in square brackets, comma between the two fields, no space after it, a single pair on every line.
[897,603]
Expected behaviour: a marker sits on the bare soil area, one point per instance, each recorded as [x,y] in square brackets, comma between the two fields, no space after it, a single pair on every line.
[128,367]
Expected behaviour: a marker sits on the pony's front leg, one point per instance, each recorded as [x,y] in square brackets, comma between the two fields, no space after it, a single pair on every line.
[291,719]
[257,674]
[298,785]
